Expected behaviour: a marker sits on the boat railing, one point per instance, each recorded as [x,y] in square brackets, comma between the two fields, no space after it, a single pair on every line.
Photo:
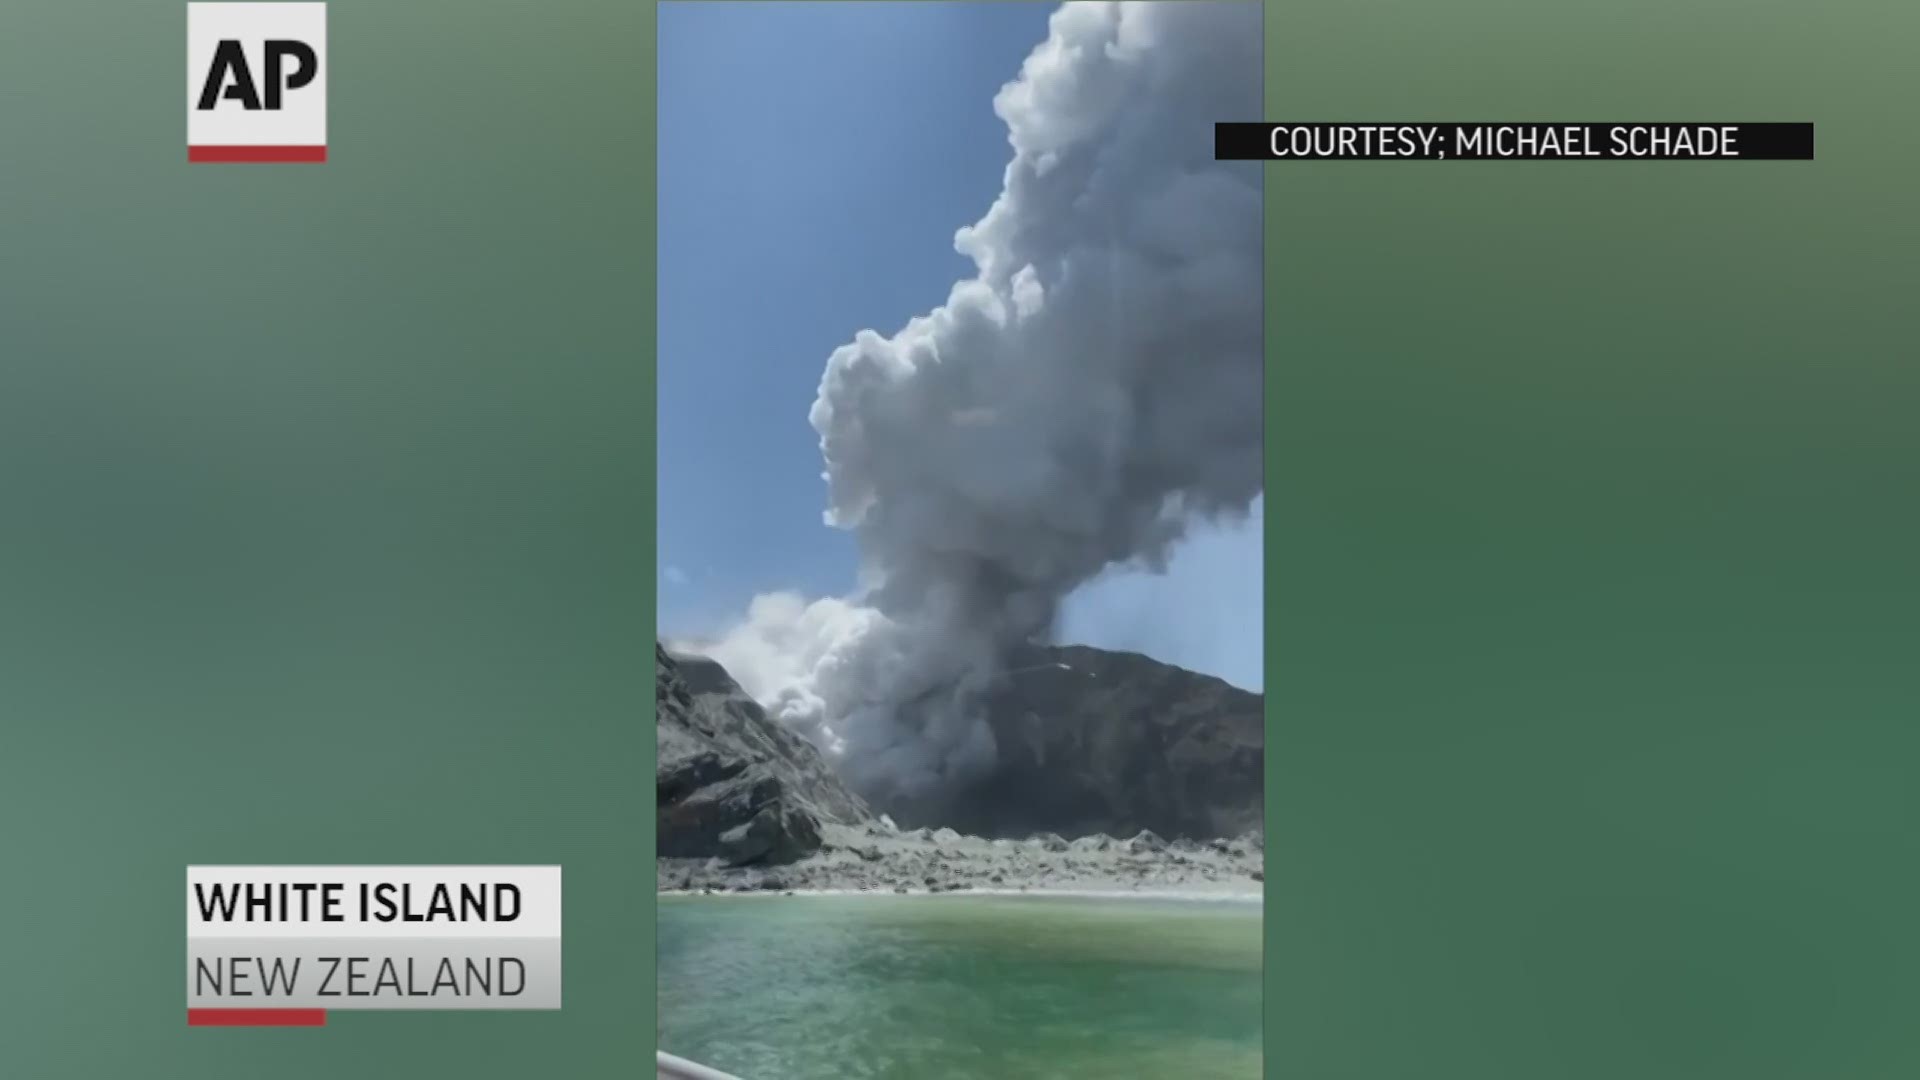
[678,1068]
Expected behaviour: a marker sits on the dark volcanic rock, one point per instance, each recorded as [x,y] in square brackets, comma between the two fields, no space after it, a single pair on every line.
[730,782]
[1092,741]
[775,834]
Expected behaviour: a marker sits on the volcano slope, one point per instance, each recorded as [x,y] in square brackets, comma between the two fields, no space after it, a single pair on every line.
[730,784]
[1097,742]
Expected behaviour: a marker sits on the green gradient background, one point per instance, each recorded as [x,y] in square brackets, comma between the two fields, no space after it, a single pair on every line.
[325,517]
[1592,536]
[326,536]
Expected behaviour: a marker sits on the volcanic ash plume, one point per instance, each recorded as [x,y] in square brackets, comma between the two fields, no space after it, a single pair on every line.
[1075,406]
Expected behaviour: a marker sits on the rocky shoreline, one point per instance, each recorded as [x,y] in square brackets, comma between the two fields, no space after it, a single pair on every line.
[746,806]
[879,858]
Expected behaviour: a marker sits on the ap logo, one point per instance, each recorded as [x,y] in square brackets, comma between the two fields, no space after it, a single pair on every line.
[257,82]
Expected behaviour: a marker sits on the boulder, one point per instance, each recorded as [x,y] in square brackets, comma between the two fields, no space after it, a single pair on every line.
[775,834]
[1146,841]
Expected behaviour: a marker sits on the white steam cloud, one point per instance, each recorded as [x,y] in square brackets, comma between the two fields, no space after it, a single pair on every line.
[1089,394]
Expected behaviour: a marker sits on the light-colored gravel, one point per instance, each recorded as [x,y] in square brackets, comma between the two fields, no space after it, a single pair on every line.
[880,859]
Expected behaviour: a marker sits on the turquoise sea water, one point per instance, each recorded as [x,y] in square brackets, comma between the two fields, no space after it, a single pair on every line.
[961,987]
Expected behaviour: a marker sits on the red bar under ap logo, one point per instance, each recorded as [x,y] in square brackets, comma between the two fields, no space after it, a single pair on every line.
[256,82]
[257,154]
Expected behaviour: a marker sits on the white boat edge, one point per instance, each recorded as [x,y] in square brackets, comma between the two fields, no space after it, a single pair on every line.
[678,1068]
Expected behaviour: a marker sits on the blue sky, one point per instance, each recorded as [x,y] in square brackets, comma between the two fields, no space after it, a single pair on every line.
[815,160]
